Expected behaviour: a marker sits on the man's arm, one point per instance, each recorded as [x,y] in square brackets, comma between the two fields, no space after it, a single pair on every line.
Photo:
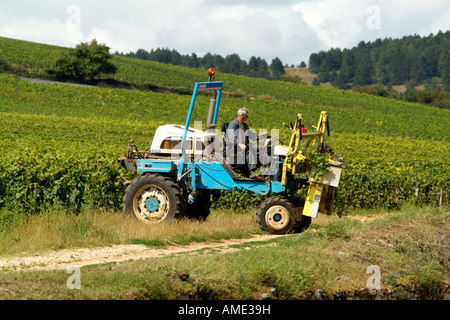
[252,135]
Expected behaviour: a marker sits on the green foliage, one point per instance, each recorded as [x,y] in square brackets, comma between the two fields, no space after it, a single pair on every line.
[28,54]
[237,200]
[293,79]
[10,219]
[435,97]
[377,90]
[389,185]
[429,282]
[232,64]
[277,68]
[60,145]
[317,161]
[38,179]
[338,230]
[4,66]
[86,61]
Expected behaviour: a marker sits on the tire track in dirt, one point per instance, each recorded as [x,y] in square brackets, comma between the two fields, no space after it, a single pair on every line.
[60,260]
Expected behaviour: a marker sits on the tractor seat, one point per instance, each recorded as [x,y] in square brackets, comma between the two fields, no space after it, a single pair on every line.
[224,127]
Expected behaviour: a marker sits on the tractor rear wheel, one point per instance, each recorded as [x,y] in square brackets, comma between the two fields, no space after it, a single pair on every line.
[276,215]
[153,198]
[302,225]
[201,208]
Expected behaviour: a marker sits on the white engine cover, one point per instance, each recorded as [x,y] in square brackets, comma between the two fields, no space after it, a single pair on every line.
[167,140]
[280,150]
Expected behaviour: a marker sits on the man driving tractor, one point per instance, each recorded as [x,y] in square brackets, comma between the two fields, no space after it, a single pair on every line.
[246,154]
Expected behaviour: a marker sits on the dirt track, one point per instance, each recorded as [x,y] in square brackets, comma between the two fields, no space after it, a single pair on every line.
[60,260]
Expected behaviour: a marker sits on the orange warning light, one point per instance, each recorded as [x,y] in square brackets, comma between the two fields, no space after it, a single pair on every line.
[211,71]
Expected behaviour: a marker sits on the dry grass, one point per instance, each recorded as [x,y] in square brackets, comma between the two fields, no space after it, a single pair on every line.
[410,247]
[56,230]
[303,73]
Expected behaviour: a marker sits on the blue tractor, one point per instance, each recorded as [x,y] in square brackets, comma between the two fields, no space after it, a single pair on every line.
[185,166]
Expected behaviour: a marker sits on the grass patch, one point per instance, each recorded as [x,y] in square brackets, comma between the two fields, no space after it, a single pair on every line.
[338,230]
[56,229]
[332,257]
[150,243]
[429,282]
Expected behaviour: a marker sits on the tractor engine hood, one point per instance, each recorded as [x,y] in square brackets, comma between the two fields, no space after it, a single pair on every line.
[168,138]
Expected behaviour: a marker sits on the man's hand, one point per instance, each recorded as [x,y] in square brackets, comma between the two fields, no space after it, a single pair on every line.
[242,146]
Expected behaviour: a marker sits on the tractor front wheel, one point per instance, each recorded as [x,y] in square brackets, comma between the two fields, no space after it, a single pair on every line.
[276,215]
[153,198]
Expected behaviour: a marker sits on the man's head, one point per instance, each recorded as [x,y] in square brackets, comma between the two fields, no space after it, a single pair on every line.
[243,114]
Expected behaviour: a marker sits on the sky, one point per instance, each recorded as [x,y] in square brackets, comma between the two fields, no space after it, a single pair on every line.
[291,30]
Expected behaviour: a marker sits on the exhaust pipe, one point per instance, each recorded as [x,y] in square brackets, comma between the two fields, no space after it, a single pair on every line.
[212,107]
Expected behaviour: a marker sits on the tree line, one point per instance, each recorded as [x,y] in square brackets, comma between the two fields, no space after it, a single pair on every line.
[411,60]
[256,67]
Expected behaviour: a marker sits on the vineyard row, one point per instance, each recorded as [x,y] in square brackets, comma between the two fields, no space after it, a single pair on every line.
[37,181]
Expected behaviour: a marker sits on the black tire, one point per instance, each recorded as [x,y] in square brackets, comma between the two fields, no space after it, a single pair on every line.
[153,198]
[276,215]
[303,224]
[201,208]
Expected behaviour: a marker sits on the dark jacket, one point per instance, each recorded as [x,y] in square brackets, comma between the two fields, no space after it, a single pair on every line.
[236,135]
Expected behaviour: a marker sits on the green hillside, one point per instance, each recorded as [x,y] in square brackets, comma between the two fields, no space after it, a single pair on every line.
[412,59]
[59,143]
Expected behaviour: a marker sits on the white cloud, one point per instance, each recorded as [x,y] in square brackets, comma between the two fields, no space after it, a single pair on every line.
[442,23]
[337,23]
[344,23]
[38,30]
[424,17]
[290,30]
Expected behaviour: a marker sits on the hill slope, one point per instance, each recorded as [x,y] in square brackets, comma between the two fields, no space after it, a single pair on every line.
[428,122]
[71,136]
